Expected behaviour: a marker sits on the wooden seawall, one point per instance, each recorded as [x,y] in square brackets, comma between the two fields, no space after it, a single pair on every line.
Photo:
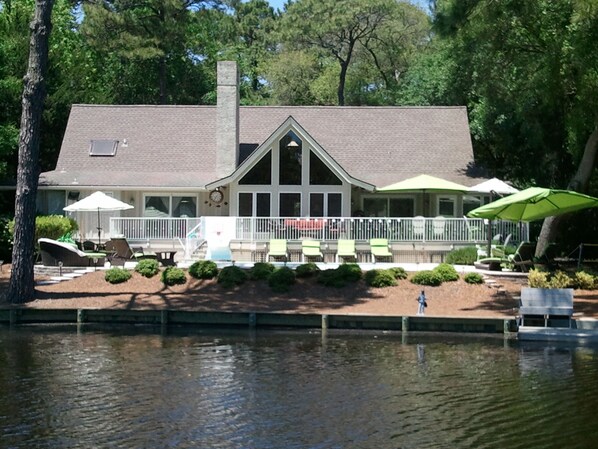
[24,316]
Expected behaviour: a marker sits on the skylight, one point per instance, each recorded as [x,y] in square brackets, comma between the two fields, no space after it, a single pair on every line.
[103,147]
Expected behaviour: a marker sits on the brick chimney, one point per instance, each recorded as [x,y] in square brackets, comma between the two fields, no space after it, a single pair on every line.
[227,118]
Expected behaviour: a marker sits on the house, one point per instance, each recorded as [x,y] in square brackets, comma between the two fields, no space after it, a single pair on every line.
[258,162]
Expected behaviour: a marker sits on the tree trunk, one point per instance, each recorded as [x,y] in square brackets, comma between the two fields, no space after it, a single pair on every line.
[341,84]
[579,183]
[21,287]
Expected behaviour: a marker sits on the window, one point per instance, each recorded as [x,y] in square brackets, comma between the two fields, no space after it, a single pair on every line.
[245,204]
[316,204]
[290,205]
[401,207]
[335,205]
[157,206]
[184,206]
[388,207]
[170,206]
[446,206]
[262,205]
[260,173]
[375,207]
[103,147]
[290,160]
[320,174]
[325,204]
[247,200]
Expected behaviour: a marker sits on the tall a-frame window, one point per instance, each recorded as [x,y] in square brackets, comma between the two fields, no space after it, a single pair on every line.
[290,160]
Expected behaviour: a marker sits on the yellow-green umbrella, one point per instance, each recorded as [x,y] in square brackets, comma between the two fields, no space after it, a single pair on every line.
[534,203]
[426,183]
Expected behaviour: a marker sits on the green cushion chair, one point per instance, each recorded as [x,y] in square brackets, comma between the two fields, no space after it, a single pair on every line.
[380,249]
[346,250]
[311,249]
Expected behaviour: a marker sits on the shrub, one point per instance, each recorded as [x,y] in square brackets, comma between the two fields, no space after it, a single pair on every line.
[203,269]
[51,226]
[147,267]
[117,275]
[380,278]
[473,278]
[447,272]
[398,272]
[537,278]
[331,278]
[584,281]
[306,270]
[231,276]
[339,277]
[560,279]
[462,256]
[261,270]
[427,277]
[173,276]
[350,272]
[282,279]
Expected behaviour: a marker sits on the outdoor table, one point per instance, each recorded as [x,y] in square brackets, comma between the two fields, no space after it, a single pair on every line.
[95,257]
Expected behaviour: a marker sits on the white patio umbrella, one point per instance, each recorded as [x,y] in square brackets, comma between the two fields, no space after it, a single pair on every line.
[100,202]
[494,185]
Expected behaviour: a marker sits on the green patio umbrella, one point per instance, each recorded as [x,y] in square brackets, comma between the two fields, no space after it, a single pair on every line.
[534,203]
[425,183]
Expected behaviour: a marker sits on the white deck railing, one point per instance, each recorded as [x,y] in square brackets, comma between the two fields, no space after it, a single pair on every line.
[153,228]
[448,230]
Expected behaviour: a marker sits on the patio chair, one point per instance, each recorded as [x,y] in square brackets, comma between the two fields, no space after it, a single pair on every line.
[311,249]
[278,249]
[501,250]
[119,251]
[438,225]
[482,250]
[523,259]
[379,249]
[418,227]
[346,250]
[55,253]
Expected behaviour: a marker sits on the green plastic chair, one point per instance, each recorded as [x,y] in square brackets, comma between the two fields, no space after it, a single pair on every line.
[311,248]
[345,249]
[278,249]
[379,249]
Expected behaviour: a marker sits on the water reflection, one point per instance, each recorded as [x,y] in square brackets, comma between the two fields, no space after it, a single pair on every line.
[137,388]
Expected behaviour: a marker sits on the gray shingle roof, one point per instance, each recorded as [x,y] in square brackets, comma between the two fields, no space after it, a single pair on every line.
[175,146]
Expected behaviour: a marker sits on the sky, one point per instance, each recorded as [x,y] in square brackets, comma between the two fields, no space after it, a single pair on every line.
[278,4]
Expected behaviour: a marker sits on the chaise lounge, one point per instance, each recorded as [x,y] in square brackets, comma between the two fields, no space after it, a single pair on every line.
[120,251]
[55,253]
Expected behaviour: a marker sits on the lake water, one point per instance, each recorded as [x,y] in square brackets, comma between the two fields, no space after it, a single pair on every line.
[138,388]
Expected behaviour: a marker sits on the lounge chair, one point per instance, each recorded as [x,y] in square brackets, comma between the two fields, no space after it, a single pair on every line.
[346,250]
[119,251]
[55,253]
[278,249]
[380,249]
[311,249]
[523,259]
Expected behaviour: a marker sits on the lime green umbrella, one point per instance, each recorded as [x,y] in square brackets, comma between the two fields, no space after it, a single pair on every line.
[426,183]
[534,203]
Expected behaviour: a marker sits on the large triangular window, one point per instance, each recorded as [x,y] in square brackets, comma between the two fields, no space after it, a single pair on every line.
[320,174]
[260,173]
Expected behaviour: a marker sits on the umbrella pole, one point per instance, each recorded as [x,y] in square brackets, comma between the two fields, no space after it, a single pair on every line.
[99,229]
[489,237]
